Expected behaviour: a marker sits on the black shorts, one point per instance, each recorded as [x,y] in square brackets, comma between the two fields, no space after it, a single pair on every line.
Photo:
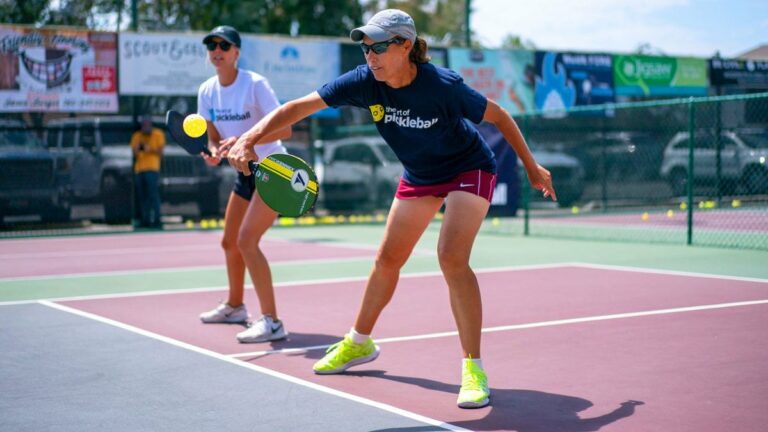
[244,186]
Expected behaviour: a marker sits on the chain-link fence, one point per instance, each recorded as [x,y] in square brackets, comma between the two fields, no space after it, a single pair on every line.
[687,171]
[690,171]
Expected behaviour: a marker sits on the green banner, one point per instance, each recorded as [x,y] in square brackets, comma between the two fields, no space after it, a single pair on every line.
[638,75]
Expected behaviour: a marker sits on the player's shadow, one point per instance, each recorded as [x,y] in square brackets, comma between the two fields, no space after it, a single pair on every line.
[519,410]
[309,345]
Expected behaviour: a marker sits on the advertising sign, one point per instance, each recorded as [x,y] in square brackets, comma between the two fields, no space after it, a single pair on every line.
[171,64]
[565,80]
[746,74]
[57,70]
[638,75]
[293,67]
[504,76]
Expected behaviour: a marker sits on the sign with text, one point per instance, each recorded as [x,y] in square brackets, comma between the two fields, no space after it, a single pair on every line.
[568,79]
[504,76]
[747,74]
[173,64]
[57,70]
[294,67]
[639,75]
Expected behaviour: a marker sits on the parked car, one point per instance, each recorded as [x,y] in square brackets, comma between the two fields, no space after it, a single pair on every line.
[357,173]
[98,152]
[32,180]
[619,155]
[743,160]
[567,173]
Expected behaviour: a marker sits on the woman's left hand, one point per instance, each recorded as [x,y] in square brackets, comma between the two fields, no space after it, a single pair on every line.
[240,154]
[541,180]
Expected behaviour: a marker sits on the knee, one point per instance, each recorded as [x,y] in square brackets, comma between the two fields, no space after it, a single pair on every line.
[247,242]
[228,244]
[452,261]
[390,261]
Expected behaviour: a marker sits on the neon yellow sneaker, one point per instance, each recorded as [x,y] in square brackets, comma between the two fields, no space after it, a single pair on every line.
[474,391]
[345,354]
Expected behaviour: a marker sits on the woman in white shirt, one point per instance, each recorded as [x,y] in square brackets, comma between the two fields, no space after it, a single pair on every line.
[232,102]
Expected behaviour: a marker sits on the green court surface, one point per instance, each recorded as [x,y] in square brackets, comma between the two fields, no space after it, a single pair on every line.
[491,250]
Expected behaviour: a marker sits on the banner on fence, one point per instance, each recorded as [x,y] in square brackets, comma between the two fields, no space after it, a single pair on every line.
[57,70]
[293,67]
[638,75]
[504,76]
[172,64]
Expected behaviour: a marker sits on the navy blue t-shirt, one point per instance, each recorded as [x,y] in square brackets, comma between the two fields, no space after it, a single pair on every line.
[425,123]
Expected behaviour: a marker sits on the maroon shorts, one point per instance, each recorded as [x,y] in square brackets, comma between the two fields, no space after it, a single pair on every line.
[477,182]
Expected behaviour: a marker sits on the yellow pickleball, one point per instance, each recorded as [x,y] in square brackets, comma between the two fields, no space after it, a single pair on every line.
[194,125]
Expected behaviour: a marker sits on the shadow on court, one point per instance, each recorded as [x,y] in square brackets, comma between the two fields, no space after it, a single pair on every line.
[296,341]
[520,410]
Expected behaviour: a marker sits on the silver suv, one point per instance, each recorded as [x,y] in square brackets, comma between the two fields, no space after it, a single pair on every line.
[98,153]
[743,160]
[357,173]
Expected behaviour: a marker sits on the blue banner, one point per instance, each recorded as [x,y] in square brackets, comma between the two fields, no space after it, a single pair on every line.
[565,80]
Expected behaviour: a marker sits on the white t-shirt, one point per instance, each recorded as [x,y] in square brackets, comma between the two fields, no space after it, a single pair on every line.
[237,107]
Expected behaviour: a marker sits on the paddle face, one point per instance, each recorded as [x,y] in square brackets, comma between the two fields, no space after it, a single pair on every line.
[286,184]
[194,146]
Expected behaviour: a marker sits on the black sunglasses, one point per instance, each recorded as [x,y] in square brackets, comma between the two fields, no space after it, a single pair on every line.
[380,47]
[225,46]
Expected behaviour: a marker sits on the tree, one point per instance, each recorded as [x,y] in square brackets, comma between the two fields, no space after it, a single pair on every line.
[319,17]
[22,11]
[512,41]
[438,21]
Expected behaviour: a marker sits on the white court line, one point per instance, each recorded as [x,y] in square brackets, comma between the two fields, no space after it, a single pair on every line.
[668,272]
[265,371]
[404,275]
[177,269]
[277,285]
[522,326]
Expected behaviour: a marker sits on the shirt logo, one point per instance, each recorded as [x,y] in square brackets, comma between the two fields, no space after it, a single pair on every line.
[377,111]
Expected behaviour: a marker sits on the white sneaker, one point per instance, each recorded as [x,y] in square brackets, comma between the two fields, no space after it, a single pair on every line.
[263,330]
[224,313]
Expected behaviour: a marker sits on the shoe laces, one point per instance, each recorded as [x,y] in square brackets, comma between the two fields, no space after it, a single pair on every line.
[345,349]
[473,378]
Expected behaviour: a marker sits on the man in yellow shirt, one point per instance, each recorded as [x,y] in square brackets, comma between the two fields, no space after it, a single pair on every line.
[147,144]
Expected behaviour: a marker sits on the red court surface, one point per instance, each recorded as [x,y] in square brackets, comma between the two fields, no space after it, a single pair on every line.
[109,253]
[676,370]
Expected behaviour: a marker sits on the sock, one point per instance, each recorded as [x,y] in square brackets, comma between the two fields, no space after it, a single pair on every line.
[357,337]
[478,362]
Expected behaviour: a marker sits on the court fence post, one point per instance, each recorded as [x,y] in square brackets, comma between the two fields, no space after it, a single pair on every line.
[689,189]
[526,187]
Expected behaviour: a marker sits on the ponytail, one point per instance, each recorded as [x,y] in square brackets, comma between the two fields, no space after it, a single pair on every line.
[419,51]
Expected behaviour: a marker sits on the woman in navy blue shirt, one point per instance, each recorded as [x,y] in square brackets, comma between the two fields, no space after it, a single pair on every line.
[423,112]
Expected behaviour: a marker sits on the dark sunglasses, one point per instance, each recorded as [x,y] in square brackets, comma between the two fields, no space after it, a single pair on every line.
[225,46]
[380,47]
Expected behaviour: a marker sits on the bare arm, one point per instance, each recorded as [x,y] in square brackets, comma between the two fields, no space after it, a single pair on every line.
[538,176]
[278,120]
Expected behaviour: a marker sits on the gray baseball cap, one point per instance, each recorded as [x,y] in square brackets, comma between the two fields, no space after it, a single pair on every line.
[385,25]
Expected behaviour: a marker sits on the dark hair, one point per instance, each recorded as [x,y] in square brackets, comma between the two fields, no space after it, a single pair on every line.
[419,51]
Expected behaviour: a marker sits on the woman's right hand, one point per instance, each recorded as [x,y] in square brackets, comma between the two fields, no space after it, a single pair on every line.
[213,159]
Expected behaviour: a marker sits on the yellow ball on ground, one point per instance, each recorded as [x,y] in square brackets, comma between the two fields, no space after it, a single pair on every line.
[575,210]
[670,214]
[194,125]
[645,216]
[683,206]
[736,203]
